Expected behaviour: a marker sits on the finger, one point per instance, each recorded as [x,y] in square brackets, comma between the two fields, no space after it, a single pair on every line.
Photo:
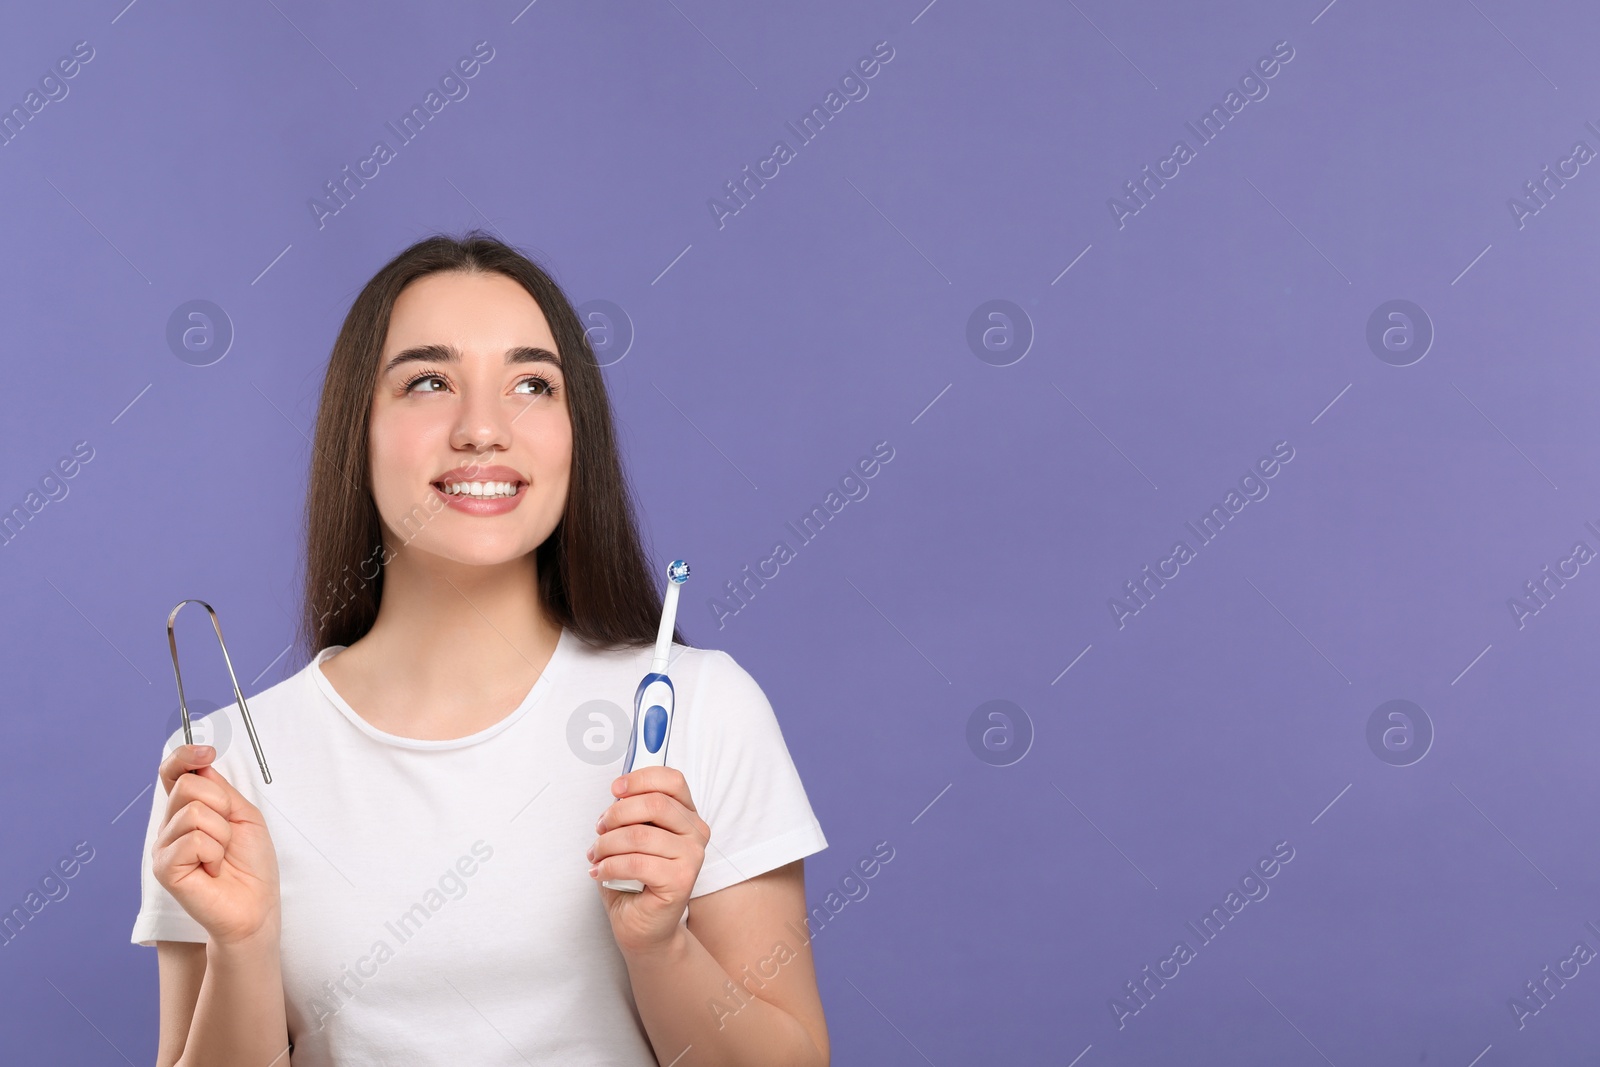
[659,808]
[198,786]
[199,817]
[668,780]
[196,815]
[183,759]
[237,807]
[643,840]
[194,849]
[653,871]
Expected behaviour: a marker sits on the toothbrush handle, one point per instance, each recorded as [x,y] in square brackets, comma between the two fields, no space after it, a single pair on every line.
[647,746]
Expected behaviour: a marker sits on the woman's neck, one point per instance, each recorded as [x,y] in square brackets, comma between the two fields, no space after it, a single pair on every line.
[454,649]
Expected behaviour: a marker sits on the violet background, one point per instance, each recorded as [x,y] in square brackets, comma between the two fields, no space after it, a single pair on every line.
[829,314]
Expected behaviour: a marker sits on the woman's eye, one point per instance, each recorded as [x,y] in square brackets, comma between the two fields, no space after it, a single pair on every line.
[413,383]
[544,384]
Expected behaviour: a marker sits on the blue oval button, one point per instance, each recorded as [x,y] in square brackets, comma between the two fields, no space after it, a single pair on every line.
[655,727]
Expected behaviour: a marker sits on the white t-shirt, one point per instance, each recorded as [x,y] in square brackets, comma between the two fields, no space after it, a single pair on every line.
[437,906]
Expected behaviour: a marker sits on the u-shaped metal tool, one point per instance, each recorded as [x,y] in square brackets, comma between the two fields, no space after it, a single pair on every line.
[188,734]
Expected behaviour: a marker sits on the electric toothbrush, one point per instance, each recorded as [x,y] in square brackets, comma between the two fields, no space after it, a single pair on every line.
[653,704]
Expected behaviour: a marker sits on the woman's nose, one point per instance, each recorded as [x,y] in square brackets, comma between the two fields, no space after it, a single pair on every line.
[482,422]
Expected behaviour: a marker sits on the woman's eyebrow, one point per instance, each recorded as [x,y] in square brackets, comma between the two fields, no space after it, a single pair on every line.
[451,354]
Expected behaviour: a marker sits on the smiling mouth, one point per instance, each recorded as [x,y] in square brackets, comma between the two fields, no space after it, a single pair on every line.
[480,490]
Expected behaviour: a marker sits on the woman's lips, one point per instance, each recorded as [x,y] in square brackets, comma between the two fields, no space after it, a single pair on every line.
[482,505]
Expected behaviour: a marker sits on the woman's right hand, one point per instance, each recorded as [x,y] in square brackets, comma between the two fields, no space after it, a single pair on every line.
[213,852]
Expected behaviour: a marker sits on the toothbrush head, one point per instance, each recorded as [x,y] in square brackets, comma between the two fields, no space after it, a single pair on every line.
[677,572]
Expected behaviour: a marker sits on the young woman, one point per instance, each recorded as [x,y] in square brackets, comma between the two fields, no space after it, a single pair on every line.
[420,882]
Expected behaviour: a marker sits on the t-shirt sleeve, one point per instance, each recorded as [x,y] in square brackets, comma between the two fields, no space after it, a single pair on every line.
[161,917]
[744,784]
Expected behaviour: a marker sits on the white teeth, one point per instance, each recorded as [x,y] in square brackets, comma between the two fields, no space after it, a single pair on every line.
[481,489]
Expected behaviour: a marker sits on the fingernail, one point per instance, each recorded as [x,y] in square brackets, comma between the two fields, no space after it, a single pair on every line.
[593,872]
[203,752]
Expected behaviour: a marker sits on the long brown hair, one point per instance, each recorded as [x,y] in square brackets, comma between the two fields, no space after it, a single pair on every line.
[594,577]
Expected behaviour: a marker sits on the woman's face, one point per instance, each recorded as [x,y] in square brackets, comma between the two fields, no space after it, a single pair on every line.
[470,390]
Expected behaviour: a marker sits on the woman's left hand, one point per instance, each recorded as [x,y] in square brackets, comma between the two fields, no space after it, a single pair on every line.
[652,833]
